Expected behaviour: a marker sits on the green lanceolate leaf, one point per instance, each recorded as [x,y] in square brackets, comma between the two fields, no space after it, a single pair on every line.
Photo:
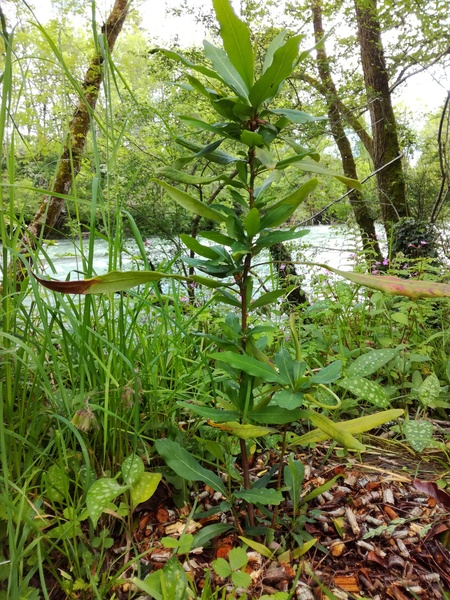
[296,116]
[190,203]
[276,43]
[269,83]
[275,415]
[252,222]
[249,365]
[366,389]
[213,414]
[242,431]
[419,434]
[186,466]
[251,139]
[353,426]
[266,240]
[236,40]
[295,198]
[266,158]
[144,487]
[267,298]
[260,496]
[333,430]
[182,177]
[226,70]
[369,363]
[209,152]
[312,167]
[194,245]
[186,62]
[100,495]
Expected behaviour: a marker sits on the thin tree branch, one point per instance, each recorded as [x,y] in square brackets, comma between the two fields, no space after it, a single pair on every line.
[349,191]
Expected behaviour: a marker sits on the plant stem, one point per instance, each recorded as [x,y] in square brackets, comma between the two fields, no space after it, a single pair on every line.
[247,485]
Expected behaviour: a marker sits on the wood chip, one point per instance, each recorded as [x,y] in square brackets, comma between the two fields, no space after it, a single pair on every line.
[351,518]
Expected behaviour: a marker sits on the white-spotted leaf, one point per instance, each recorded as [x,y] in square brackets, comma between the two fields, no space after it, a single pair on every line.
[366,389]
[145,487]
[419,434]
[100,495]
[429,389]
[132,469]
[370,362]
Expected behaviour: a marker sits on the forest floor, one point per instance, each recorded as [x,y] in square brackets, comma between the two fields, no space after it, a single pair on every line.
[382,531]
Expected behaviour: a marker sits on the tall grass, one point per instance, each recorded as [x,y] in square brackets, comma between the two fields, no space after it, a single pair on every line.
[83,382]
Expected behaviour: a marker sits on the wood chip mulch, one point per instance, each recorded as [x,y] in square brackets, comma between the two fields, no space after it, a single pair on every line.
[382,532]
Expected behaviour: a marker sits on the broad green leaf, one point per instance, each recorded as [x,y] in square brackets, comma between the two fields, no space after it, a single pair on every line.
[267,298]
[401,318]
[100,495]
[359,425]
[295,198]
[224,130]
[226,70]
[288,399]
[266,158]
[312,167]
[328,374]
[221,567]
[260,496]
[249,365]
[252,222]
[237,557]
[296,116]
[236,40]
[251,139]
[270,81]
[182,177]
[419,434]
[275,415]
[213,414]
[190,203]
[286,365]
[371,362]
[241,579]
[429,390]
[132,469]
[186,466]
[333,430]
[244,432]
[144,487]
[194,245]
[263,550]
[366,389]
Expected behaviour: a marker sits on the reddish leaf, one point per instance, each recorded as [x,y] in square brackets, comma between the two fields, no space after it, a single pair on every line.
[432,489]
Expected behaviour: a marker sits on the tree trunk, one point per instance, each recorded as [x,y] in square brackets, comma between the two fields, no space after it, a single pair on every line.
[363,218]
[386,147]
[52,206]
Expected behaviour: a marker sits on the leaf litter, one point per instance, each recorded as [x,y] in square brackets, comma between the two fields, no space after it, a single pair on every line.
[382,531]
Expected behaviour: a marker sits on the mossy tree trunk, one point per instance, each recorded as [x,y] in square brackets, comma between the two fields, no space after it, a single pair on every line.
[364,220]
[52,206]
[386,146]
